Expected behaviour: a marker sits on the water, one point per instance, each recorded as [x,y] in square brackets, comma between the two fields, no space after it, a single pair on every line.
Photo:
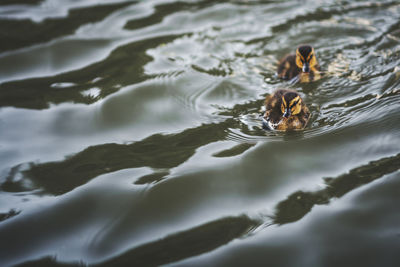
[130,134]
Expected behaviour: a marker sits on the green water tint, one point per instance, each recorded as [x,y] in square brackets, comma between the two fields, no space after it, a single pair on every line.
[157,151]
[130,134]
[210,236]
[300,203]
[38,93]
[26,32]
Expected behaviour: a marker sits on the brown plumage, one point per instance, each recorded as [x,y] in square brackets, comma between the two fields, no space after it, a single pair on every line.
[285,110]
[303,65]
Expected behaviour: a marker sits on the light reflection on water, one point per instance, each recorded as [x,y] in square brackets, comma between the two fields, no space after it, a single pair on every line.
[133,136]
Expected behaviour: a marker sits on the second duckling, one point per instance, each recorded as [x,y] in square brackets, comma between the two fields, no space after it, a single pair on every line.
[285,110]
[303,65]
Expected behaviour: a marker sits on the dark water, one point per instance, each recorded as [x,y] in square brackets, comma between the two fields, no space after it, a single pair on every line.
[130,134]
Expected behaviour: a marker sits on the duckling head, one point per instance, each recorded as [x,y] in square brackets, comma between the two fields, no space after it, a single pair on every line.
[305,58]
[291,104]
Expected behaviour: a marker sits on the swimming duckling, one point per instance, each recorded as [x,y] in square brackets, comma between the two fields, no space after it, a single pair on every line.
[303,66]
[285,110]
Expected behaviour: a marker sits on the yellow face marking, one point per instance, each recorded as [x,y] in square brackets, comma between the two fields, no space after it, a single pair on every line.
[311,54]
[297,98]
[299,59]
[310,59]
[295,105]
[283,106]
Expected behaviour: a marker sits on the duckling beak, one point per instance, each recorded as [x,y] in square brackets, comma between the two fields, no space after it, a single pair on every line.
[306,67]
[287,113]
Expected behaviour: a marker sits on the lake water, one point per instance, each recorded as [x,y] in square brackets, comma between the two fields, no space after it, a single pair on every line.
[130,134]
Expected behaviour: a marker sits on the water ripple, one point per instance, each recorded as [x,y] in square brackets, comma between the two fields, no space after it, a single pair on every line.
[133,128]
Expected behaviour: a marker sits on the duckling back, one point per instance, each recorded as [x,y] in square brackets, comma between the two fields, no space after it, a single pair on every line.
[287,68]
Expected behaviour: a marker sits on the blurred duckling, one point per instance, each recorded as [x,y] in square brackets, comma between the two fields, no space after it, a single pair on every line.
[285,110]
[300,67]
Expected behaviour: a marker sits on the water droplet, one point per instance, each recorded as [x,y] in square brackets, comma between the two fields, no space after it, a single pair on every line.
[62,85]
[92,92]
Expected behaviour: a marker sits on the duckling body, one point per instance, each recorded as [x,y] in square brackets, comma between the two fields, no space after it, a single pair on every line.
[303,65]
[285,110]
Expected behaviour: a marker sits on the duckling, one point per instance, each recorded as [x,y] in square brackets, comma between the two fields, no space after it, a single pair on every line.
[303,66]
[285,110]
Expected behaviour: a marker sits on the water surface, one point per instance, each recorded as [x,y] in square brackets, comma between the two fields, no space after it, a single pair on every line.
[130,134]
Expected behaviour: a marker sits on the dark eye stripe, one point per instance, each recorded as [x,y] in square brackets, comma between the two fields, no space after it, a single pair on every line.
[301,57]
[294,104]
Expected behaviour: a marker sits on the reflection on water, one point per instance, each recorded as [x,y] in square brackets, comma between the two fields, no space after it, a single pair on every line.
[300,203]
[130,134]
